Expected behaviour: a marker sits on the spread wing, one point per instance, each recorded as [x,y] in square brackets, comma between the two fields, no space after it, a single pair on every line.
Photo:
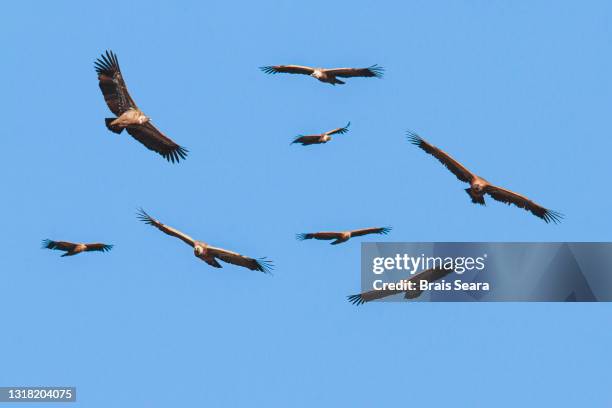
[453,165]
[287,69]
[155,140]
[146,218]
[235,258]
[366,231]
[319,235]
[510,197]
[339,131]
[58,245]
[310,139]
[98,247]
[429,275]
[112,84]
[372,71]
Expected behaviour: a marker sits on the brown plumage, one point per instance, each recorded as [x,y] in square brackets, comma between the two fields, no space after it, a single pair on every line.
[208,253]
[479,186]
[328,75]
[342,236]
[129,117]
[306,140]
[71,248]
[429,275]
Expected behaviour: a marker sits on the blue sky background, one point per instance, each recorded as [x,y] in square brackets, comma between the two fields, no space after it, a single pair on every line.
[519,91]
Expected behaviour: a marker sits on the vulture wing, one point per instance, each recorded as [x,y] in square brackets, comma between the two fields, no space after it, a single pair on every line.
[366,231]
[235,258]
[510,197]
[155,140]
[339,131]
[59,245]
[287,69]
[372,71]
[430,275]
[112,84]
[306,140]
[319,235]
[146,218]
[453,165]
[98,247]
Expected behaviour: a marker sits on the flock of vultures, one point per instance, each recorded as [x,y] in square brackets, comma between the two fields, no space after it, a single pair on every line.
[130,118]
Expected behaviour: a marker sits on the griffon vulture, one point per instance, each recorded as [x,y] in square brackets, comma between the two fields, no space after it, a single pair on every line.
[479,186]
[129,117]
[322,138]
[208,253]
[429,275]
[343,236]
[71,248]
[328,75]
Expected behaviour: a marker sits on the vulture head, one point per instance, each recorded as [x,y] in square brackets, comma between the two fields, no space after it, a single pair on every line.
[198,250]
[316,74]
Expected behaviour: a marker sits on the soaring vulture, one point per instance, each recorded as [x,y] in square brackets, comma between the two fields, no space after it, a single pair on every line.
[342,236]
[322,138]
[208,253]
[129,117]
[328,75]
[71,248]
[479,186]
[429,275]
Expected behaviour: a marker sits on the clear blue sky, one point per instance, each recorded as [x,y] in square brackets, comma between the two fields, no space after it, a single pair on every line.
[519,91]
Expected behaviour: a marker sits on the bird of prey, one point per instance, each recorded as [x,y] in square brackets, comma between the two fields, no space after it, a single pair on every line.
[129,116]
[429,275]
[479,186]
[342,236]
[322,138]
[208,253]
[71,248]
[329,75]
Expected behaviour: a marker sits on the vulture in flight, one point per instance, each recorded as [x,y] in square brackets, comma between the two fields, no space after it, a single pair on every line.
[322,138]
[329,75]
[209,254]
[429,275]
[479,186]
[71,248]
[129,117]
[342,236]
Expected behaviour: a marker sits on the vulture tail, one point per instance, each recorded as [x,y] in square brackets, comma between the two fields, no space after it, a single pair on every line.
[476,199]
[339,82]
[115,129]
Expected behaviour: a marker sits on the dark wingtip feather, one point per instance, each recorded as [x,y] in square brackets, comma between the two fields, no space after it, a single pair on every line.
[142,215]
[303,236]
[385,230]
[175,155]
[107,247]
[356,299]
[295,139]
[414,138]
[268,69]
[47,244]
[552,216]
[107,63]
[265,265]
[344,129]
[377,71]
